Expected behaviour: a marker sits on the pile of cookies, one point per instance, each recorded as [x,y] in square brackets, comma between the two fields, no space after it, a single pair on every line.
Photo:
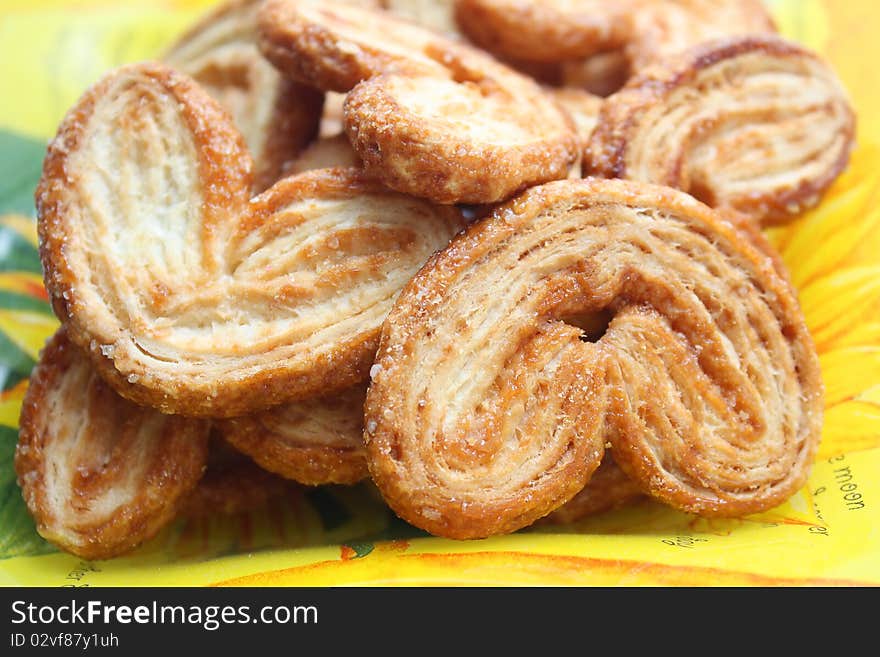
[502,257]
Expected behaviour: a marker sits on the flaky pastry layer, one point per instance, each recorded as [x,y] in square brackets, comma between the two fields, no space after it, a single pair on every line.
[487,409]
[545,30]
[757,124]
[427,115]
[315,441]
[99,474]
[193,298]
[277,116]
[609,488]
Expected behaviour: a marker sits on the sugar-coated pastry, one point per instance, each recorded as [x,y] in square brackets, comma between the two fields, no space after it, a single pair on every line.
[99,474]
[427,115]
[609,488]
[545,30]
[188,295]
[758,124]
[664,28]
[314,441]
[488,409]
[232,483]
[277,116]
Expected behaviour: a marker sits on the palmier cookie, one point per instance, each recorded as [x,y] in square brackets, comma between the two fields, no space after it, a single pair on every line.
[487,410]
[189,296]
[99,474]
[628,34]
[609,488]
[315,441]
[277,116]
[545,30]
[232,483]
[757,124]
[427,115]
[665,28]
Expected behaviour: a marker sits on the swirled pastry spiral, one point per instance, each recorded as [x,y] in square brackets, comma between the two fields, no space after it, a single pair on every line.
[99,474]
[276,116]
[427,115]
[315,441]
[487,410]
[232,483]
[757,124]
[609,488]
[189,296]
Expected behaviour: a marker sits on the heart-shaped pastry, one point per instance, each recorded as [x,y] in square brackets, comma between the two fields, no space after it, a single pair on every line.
[489,407]
[427,115]
[99,474]
[545,30]
[277,116]
[314,441]
[756,124]
[623,35]
[189,296]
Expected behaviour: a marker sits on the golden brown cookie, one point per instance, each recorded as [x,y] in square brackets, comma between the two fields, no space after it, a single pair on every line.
[190,296]
[315,441]
[609,488]
[232,483]
[544,30]
[99,474]
[664,28]
[487,410]
[427,115]
[758,124]
[276,116]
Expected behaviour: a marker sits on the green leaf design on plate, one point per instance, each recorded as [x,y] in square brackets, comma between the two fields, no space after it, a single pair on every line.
[18,536]
[16,253]
[15,364]
[15,301]
[20,169]
[332,511]
[361,548]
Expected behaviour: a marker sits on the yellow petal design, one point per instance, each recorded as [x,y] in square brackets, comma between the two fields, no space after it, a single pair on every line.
[843,309]
[24,226]
[853,425]
[10,404]
[826,238]
[23,282]
[29,331]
